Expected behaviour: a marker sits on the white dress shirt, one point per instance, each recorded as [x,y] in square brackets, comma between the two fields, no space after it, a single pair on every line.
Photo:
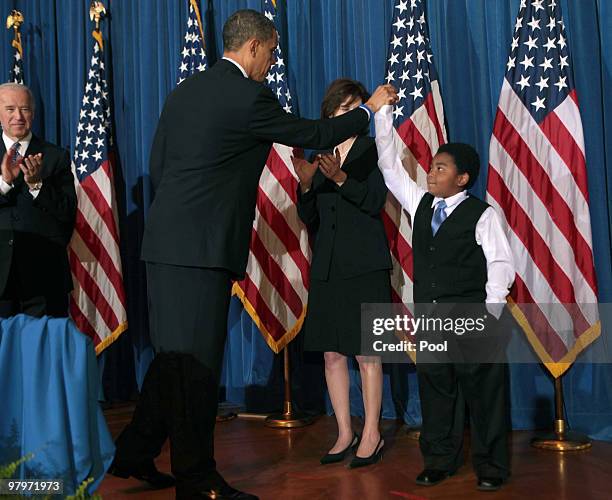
[489,233]
[5,187]
[244,73]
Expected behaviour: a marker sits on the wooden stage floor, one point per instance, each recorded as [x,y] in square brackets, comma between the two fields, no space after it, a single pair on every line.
[282,464]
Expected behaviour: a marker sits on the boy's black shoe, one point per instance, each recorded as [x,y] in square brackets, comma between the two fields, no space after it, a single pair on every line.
[489,483]
[431,477]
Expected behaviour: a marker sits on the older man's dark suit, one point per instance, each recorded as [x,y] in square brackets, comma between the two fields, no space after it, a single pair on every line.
[211,144]
[34,232]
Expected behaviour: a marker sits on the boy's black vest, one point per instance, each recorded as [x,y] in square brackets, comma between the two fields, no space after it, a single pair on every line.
[450,266]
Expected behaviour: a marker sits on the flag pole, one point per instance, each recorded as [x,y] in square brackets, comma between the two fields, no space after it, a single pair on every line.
[561,439]
[15,20]
[289,418]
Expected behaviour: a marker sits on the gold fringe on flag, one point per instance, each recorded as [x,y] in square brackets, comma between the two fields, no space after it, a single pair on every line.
[277,345]
[556,368]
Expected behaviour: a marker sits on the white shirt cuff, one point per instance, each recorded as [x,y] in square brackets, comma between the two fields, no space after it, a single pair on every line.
[5,187]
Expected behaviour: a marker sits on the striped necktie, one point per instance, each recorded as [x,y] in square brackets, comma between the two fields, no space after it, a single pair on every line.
[439,216]
[14,155]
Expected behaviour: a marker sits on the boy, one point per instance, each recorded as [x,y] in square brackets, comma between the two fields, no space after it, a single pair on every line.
[464,258]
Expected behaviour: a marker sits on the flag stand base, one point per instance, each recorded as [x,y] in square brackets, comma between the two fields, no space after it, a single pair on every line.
[566,441]
[289,418]
[561,439]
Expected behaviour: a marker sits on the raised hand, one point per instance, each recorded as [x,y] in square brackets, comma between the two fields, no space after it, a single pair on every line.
[384,94]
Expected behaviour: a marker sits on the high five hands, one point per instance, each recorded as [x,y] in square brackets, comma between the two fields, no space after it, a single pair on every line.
[329,164]
[384,94]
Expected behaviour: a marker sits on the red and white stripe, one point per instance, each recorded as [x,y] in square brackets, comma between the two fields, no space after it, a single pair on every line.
[275,290]
[98,301]
[537,180]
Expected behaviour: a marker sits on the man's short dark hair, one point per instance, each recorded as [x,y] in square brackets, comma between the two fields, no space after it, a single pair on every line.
[466,159]
[337,93]
[243,25]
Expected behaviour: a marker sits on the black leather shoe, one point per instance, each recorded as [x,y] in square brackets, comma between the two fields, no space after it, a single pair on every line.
[332,458]
[431,477]
[220,491]
[489,483]
[143,472]
[372,459]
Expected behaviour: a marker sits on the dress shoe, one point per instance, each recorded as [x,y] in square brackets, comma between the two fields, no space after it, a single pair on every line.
[376,456]
[332,458]
[431,477]
[489,483]
[219,491]
[143,472]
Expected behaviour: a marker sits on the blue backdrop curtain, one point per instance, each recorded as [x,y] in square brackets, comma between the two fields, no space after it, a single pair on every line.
[322,40]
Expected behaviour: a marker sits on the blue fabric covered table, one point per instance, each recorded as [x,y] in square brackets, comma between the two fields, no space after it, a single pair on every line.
[48,402]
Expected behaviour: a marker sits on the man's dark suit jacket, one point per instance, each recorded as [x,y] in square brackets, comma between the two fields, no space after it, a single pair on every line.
[346,219]
[34,232]
[211,144]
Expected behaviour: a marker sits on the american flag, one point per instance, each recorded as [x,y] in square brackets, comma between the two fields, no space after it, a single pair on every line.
[16,73]
[98,304]
[193,55]
[537,179]
[419,124]
[275,290]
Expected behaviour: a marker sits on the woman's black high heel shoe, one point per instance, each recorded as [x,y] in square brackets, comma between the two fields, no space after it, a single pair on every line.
[332,458]
[372,459]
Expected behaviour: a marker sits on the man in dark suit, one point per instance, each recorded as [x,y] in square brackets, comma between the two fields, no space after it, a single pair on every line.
[37,213]
[212,140]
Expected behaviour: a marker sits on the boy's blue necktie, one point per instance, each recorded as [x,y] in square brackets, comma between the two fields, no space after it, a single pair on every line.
[439,216]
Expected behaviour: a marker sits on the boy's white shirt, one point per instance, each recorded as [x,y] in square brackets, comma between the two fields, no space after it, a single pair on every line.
[489,233]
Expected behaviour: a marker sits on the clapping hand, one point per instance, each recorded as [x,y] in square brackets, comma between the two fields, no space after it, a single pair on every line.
[305,171]
[31,167]
[330,167]
[10,170]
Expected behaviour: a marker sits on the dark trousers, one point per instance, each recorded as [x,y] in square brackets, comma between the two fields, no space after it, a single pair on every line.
[17,298]
[38,306]
[443,388]
[188,310]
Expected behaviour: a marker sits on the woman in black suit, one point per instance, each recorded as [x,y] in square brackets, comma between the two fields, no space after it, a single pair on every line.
[340,198]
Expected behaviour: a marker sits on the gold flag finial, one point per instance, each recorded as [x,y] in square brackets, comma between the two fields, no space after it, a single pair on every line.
[96,12]
[15,20]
